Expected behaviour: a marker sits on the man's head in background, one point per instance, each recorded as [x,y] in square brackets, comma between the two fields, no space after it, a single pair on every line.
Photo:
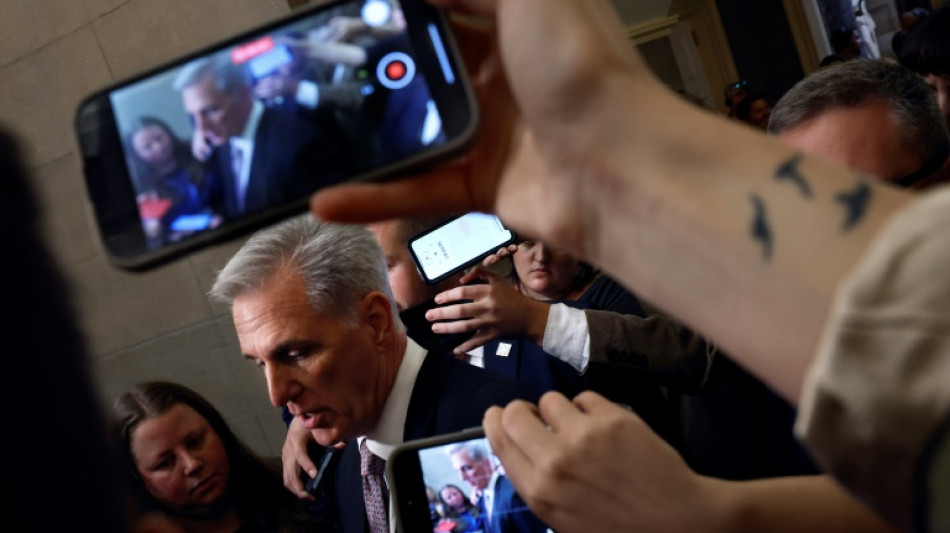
[472,463]
[215,95]
[926,51]
[871,115]
[408,288]
[846,43]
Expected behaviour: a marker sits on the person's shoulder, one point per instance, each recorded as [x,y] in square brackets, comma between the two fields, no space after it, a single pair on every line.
[606,294]
[461,379]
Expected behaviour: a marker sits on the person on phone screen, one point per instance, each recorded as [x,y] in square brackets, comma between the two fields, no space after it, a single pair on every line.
[264,155]
[491,491]
[460,510]
[171,182]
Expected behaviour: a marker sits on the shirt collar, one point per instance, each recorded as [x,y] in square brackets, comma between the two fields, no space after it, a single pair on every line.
[253,121]
[389,432]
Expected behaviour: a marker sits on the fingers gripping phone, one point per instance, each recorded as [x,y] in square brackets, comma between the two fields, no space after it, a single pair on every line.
[240,134]
[455,483]
[457,243]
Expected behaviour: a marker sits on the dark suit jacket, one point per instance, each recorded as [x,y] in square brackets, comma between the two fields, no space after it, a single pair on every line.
[527,363]
[449,395]
[508,511]
[293,156]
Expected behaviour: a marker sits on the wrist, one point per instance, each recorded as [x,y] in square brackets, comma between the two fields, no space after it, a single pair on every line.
[723,509]
[537,321]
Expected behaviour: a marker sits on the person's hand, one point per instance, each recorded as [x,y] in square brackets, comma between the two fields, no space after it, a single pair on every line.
[343,29]
[590,465]
[499,255]
[294,458]
[494,310]
[200,147]
[535,163]
[278,84]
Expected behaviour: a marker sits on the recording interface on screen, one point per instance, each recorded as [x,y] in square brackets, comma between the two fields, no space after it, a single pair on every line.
[336,93]
[458,242]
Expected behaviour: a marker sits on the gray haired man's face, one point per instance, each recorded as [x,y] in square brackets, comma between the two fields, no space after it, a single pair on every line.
[217,116]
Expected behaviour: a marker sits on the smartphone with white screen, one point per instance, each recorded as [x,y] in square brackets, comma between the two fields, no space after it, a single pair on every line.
[457,243]
[240,134]
[454,482]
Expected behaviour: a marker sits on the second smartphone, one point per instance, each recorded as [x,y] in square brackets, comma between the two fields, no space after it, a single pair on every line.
[454,482]
[240,134]
[457,243]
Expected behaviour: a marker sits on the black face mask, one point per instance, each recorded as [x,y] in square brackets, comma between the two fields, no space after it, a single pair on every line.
[420,330]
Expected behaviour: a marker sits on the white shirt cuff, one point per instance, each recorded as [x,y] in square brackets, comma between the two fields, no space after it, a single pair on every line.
[567,337]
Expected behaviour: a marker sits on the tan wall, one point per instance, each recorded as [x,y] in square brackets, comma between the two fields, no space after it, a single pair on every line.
[138,326]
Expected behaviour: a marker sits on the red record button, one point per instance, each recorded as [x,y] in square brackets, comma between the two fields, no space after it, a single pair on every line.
[396,70]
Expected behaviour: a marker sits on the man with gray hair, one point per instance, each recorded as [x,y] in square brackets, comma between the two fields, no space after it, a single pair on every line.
[313,309]
[492,492]
[871,115]
[265,156]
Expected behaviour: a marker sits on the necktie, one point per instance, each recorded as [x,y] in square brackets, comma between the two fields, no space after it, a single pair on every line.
[375,495]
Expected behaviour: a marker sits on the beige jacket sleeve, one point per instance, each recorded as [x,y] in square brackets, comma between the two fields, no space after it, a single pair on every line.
[876,400]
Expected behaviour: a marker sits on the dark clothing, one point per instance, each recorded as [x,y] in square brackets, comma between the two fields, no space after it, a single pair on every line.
[736,428]
[516,359]
[510,513]
[730,424]
[188,196]
[625,385]
[448,396]
[528,364]
[293,156]
[465,522]
[420,330]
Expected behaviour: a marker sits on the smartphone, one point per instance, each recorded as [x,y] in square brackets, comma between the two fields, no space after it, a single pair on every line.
[457,243]
[432,467]
[240,134]
[330,457]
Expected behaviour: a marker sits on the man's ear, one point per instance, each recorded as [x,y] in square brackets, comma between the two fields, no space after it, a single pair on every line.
[377,312]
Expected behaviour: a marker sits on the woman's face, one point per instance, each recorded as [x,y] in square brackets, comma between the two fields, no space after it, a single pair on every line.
[153,145]
[544,273]
[453,498]
[181,460]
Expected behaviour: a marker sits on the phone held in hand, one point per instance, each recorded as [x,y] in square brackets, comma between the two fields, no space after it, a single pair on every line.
[240,134]
[454,482]
[457,243]
[328,461]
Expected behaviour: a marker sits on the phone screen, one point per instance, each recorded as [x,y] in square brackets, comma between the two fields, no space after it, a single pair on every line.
[466,490]
[458,243]
[242,133]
